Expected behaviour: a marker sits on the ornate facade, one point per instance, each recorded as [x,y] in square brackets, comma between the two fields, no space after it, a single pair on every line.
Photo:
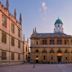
[11,44]
[51,47]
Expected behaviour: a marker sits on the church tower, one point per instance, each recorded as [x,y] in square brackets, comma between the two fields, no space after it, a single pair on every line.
[58,26]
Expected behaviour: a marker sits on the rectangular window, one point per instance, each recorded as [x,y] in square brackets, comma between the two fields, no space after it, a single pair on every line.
[4,37]
[3,55]
[12,56]
[4,20]
[12,28]
[51,42]
[59,41]
[18,43]
[12,41]
[18,32]
[44,42]
[18,56]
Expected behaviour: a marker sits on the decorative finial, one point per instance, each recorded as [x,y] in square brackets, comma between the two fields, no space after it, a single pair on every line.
[15,13]
[7,4]
[35,30]
[20,18]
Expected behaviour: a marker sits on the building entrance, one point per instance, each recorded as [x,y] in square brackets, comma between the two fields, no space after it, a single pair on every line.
[59,58]
[36,61]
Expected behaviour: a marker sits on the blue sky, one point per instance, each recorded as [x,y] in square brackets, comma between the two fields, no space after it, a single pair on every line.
[33,15]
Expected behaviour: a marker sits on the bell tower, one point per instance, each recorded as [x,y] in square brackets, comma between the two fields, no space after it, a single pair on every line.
[58,26]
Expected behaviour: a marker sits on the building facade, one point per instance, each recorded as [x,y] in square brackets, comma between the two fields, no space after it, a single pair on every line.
[26,51]
[11,44]
[51,47]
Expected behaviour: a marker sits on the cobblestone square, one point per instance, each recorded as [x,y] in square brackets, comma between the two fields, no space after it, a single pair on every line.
[37,68]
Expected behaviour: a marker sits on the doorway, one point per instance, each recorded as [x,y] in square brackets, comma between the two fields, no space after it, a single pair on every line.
[36,61]
[59,58]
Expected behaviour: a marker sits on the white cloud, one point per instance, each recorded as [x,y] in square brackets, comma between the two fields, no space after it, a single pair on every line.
[43,7]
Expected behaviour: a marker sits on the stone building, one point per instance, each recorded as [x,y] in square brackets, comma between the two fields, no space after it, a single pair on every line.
[11,44]
[26,51]
[53,47]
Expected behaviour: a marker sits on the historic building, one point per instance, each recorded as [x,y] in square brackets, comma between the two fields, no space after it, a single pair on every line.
[51,47]
[26,51]
[11,44]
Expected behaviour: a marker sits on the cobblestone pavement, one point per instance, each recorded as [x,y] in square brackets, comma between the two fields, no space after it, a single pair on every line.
[37,68]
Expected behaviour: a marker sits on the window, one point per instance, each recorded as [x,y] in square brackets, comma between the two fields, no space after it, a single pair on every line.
[51,57]
[59,41]
[65,42]
[3,56]
[66,51]
[37,56]
[44,57]
[26,48]
[4,37]
[12,28]
[37,51]
[4,21]
[18,32]
[44,42]
[12,56]
[18,56]
[71,41]
[18,43]
[52,42]
[36,42]
[12,41]
[26,57]
[66,58]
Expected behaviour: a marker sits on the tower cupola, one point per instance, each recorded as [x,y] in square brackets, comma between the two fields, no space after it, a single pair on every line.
[58,26]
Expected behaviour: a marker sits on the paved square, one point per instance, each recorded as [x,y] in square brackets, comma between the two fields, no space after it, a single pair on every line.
[37,68]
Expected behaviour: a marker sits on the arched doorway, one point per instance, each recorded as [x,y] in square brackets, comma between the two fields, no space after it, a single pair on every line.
[59,56]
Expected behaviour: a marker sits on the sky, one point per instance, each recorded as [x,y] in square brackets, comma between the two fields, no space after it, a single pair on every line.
[42,14]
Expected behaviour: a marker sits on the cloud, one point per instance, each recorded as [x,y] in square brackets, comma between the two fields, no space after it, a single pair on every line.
[43,7]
